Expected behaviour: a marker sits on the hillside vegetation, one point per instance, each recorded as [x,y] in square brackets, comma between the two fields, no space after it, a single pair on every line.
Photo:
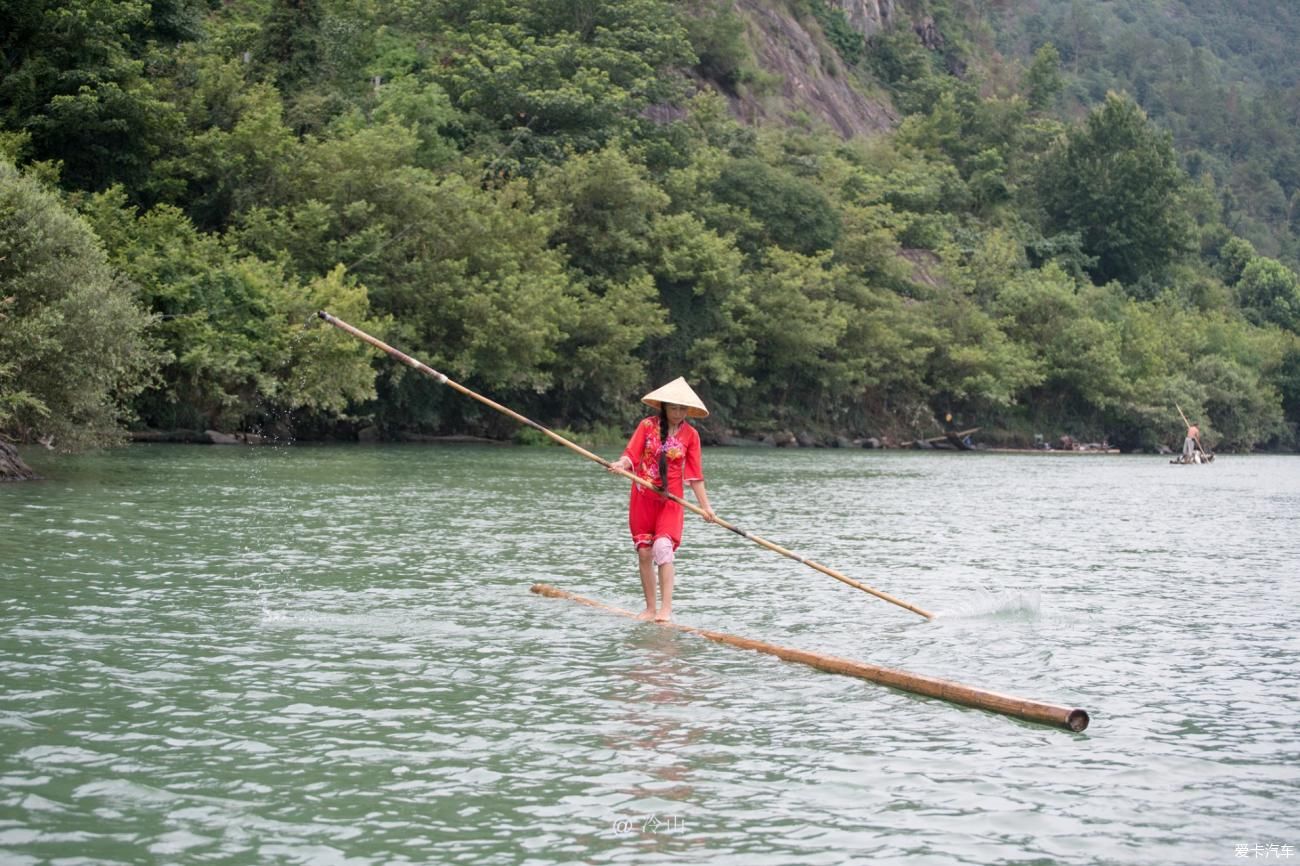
[564,203]
[1219,75]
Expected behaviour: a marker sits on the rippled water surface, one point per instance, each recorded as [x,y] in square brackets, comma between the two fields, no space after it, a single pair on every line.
[330,655]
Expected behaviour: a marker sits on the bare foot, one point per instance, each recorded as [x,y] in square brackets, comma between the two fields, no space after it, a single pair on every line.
[646,615]
[665,615]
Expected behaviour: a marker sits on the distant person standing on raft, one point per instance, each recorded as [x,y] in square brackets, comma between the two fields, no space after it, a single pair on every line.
[664,450]
[1191,442]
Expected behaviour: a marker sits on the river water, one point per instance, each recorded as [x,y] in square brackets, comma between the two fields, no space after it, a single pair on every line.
[329,655]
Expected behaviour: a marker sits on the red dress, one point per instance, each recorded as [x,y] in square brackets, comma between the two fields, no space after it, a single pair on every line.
[650,515]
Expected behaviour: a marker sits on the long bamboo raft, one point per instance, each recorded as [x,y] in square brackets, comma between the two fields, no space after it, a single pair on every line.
[1071,719]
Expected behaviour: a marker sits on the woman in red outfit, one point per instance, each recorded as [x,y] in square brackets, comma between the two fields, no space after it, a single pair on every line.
[664,450]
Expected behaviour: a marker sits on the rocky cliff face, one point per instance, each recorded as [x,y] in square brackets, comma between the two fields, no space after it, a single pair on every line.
[813,79]
[867,16]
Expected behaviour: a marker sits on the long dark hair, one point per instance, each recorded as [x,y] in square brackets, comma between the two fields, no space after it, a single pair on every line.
[663,446]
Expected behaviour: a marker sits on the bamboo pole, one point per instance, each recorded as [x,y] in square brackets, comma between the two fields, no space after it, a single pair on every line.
[558,439]
[1071,719]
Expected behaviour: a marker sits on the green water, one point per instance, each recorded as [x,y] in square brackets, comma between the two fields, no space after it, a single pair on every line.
[330,655]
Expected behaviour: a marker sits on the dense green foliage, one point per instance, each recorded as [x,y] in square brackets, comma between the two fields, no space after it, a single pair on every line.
[1220,76]
[1116,183]
[532,197]
[73,344]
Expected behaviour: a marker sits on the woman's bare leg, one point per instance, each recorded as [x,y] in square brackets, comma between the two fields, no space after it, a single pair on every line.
[666,574]
[645,563]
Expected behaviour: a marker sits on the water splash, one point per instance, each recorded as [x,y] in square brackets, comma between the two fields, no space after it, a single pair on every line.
[1013,604]
[272,616]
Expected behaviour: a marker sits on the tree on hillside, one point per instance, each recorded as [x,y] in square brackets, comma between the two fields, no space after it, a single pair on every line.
[544,78]
[73,76]
[289,47]
[794,213]
[1222,82]
[1116,181]
[73,349]
[1269,291]
[240,336]
[315,54]
[1043,79]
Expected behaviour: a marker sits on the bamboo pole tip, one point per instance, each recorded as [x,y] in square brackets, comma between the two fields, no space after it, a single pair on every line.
[1077,720]
[324,315]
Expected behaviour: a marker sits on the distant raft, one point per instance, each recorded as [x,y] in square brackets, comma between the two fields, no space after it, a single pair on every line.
[1071,719]
[1196,459]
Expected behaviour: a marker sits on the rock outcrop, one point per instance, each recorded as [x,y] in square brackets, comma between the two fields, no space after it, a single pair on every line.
[814,81]
[868,17]
[12,467]
[805,76]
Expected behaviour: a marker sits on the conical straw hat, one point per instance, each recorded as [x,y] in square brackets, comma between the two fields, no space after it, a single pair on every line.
[680,394]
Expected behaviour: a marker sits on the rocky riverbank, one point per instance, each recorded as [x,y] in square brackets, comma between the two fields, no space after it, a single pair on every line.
[200,437]
[12,467]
